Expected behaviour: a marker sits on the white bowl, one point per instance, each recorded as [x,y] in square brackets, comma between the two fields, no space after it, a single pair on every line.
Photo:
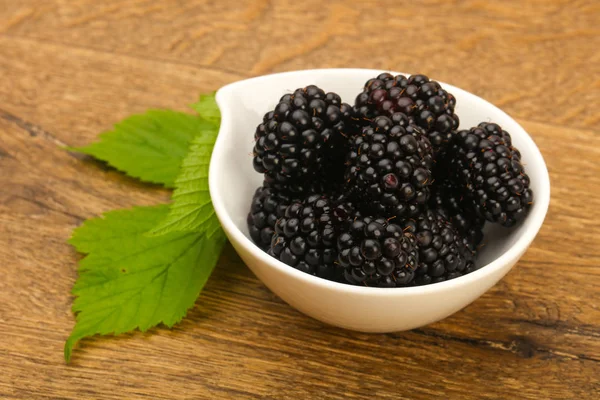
[233,181]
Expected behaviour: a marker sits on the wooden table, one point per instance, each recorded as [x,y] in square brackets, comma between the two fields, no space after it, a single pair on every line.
[70,69]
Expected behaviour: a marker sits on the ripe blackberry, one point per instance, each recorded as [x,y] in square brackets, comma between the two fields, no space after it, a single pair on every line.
[268,205]
[457,207]
[443,254]
[303,140]
[373,252]
[305,237]
[388,167]
[484,162]
[421,99]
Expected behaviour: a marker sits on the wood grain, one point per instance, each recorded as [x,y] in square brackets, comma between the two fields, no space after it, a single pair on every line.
[70,69]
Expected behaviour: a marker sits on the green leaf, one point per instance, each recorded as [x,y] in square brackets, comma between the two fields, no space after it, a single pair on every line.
[130,280]
[192,209]
[149,146]
[207,108]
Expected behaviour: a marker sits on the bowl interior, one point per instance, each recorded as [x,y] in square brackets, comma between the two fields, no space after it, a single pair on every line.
[244,103]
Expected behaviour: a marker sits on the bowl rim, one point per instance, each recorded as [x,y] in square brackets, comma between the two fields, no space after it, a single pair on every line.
[533,222]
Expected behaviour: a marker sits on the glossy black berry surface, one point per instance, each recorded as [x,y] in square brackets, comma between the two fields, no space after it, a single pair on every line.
[268,205]
[443,254]
[303,140]
[305,237]
[376,253]
[424,101]
[485,164]
[388,167]
[456,206]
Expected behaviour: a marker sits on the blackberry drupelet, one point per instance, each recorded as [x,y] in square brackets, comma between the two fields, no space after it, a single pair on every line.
[305,237]
[457,207]
[388,167]
[424,101]
[266,208]
[485,163]
[303,140]
[374,252]
[443,254]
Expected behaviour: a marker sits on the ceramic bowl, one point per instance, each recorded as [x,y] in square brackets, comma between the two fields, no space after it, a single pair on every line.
[232,182]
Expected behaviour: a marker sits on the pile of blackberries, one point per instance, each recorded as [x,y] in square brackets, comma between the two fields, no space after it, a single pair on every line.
[385,193]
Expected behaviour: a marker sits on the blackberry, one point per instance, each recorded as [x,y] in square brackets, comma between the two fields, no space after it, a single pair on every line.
[388,167]
[484,162]
[303,140]
[268,205]
[305,237]
[374,252]
[457,207]
[443,254]
[421,99]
